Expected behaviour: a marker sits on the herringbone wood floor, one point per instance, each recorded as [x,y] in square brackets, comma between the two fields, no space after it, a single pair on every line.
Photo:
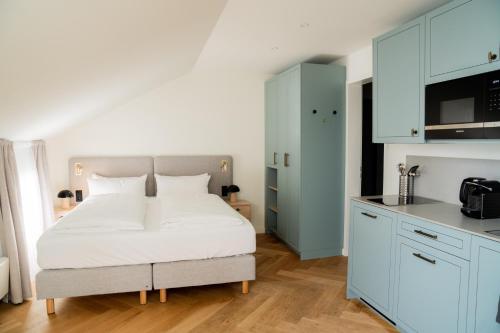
[289,296]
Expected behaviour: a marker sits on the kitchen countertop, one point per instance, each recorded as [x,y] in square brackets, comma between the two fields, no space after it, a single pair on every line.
[442,213]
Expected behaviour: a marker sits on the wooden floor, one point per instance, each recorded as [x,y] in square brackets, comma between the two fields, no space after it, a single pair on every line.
[289,296]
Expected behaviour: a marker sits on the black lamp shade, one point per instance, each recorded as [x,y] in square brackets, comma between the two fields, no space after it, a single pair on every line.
[65,194]
[233,189]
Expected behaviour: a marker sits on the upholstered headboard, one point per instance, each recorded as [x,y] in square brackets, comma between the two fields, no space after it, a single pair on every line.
[219,167]
[110,167]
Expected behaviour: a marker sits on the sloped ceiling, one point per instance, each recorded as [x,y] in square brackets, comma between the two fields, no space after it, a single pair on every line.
[271,35]
[62,61]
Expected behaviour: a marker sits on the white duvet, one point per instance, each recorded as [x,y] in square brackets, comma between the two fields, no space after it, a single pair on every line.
[108,212]
[191,211]
[188,230]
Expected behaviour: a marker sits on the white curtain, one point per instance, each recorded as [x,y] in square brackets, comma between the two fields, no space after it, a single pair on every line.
[11,221]
[31,198]
[42,169]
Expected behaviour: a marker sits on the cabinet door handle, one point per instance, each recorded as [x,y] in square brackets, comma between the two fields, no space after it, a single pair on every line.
[419,256]
[369,215]
[491,56]
[286,160]
[274,158]
[420,232]
[237,209]
[414,132]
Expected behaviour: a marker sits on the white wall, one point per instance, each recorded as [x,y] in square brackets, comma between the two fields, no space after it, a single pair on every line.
[200,113]
[359,69]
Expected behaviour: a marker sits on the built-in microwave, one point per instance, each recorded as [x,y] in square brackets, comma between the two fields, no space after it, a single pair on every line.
[465,108]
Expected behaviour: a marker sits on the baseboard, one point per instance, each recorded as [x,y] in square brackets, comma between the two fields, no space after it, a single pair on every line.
[322,253]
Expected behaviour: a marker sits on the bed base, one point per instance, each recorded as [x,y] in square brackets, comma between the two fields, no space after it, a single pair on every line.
[60,283]
[191,273]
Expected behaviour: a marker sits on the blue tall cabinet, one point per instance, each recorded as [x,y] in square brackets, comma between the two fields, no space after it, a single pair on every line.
[305,138]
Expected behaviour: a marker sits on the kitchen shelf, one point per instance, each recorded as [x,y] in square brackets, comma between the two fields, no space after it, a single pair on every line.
[274,209]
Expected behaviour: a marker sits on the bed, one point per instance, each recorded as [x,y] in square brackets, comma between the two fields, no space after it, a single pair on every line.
[159,257]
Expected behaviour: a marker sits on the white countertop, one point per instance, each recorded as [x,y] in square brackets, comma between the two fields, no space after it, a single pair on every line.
[442,213]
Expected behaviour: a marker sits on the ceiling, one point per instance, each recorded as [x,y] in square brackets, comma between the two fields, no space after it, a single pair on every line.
[271,35]
[61,62]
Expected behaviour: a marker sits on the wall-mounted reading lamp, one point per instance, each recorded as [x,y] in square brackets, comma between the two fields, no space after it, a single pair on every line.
[78,169]
[223,165]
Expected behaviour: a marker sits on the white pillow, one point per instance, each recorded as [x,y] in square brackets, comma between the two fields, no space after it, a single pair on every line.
[182,185]
[99,185]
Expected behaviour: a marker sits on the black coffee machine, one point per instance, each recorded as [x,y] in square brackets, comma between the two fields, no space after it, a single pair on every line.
[480,198]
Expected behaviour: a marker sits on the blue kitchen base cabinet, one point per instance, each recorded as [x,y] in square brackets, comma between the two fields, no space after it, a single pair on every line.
[371,255]
[431,289]
[423,276]
[484,286]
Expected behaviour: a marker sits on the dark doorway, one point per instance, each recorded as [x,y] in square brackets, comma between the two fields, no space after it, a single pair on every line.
[372,157]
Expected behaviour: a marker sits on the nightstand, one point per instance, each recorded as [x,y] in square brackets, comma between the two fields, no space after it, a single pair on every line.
[243,207]
[61,212]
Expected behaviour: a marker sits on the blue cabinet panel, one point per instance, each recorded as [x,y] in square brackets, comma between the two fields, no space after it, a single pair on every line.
[371,255]
[398,85]
[459,37]
[484,287]
[272,135]
[431,289]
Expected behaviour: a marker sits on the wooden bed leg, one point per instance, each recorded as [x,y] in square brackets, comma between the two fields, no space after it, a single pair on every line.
[244,287]
[51,308]
[143,297]
[163,295]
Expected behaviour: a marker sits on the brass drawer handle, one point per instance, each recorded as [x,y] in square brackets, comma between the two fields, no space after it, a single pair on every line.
[418,255]
[369,215]
[420,232]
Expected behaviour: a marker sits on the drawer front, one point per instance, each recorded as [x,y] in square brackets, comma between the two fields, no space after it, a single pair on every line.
[244,210]
[431,289]
[448,240]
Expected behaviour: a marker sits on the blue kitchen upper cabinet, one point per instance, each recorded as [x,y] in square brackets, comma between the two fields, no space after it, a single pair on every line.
[484,286]
[372,256]
[463,38]
[398,84]
[430,289]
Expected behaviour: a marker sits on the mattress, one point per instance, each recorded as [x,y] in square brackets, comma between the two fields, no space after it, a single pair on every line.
[58,250]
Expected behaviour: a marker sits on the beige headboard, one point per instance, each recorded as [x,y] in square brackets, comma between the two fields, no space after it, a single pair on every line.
[220,168]
[111,167]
